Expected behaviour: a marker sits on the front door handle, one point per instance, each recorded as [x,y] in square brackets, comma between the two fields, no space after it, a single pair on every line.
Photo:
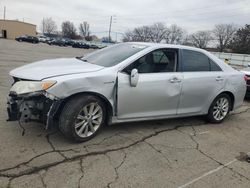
[175,80]
[219,78]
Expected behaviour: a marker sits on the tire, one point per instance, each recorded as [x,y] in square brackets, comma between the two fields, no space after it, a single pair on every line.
[82,117]
[219,108]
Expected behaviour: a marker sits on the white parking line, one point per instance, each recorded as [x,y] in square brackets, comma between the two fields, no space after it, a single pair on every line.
[205,132]
[208,173]
[200,133]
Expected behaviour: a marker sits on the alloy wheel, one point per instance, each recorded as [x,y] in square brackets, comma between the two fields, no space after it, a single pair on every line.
[88,120]
[221,108]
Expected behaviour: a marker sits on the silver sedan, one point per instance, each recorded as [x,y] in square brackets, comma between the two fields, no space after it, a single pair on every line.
[123,83]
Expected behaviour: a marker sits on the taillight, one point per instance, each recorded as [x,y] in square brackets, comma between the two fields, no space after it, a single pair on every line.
[246,78]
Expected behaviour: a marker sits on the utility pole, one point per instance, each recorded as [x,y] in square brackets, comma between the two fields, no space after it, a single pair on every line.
[4,12]
[43,26]
[110,24]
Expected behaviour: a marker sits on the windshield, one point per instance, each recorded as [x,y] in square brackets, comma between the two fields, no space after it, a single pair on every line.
[113,55]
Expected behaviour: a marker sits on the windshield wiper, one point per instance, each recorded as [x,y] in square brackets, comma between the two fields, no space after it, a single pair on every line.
[80,58]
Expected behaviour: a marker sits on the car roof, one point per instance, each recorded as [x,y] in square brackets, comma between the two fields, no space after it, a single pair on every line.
[160,45]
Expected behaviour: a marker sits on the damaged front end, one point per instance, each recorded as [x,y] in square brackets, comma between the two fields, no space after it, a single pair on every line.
[26,106]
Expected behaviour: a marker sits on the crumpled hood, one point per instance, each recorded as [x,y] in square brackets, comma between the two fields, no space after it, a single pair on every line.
[54,67]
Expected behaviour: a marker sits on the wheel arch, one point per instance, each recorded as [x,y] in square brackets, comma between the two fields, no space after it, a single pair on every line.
[98,95]
[232,97]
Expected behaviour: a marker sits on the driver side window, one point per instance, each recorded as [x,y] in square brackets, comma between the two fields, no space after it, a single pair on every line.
[162,60]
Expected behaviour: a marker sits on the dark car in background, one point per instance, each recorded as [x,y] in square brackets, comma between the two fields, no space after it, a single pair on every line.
[26,38]
[93,46]
[69,42]
[80,45]
[57,42]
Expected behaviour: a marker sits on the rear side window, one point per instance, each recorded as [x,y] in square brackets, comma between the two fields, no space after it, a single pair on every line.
[214,66]
[194,61]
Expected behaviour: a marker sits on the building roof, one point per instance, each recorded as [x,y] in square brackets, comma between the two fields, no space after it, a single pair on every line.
[17,22]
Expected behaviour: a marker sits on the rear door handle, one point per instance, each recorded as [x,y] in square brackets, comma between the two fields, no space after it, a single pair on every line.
[175,80]
[219,78]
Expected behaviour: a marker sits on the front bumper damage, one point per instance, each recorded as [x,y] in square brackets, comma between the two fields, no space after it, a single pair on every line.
[37,106]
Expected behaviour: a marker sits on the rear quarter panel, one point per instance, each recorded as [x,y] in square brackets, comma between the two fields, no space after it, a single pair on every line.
[236,85]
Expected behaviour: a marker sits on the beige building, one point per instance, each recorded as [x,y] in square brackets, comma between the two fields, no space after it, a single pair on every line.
[10,29]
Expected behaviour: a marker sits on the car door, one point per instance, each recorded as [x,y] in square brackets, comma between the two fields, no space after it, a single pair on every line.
[203,79]
[157,91]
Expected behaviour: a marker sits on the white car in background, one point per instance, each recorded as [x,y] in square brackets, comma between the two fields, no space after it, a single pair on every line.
[41,38]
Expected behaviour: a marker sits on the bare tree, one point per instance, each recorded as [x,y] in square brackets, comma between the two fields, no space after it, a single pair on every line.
[158,32]
[84,29]
[48,26]
[128,36]
[68,29]
[200,39]
[139,34]
[224,34]
[175,35]
[142,34]
[151,33]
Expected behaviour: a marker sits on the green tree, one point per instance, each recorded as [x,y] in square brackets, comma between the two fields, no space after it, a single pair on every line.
[241,41]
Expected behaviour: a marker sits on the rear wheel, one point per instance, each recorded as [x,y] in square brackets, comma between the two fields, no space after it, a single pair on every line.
[82,117]
[219,108]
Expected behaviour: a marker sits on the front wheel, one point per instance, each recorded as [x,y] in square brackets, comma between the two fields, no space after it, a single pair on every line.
[219,108]
[82,117]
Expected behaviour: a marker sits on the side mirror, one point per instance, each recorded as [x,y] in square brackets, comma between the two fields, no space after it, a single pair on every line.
[134,77]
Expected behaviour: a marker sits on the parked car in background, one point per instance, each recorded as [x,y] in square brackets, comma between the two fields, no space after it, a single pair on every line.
[93,46]
[42,39]
[69,42]
[123,83]
[26,38]
[48,39]
[80,45]
[246,71]
[57,42]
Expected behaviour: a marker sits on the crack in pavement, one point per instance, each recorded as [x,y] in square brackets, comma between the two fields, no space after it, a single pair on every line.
[82,171]
[77,157]
[27,162]
[103,140]
[192,137]
[42,179]
[52,146]
[117,168]
[241,112]
[4,173]
[160,152]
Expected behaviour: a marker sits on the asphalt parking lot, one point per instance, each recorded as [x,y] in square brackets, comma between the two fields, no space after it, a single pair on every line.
[185,152]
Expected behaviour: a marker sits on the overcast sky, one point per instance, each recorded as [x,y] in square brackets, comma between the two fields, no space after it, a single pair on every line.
[192,15]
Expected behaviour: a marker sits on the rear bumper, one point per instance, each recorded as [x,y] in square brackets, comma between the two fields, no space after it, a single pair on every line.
[248,92]
[32,107]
